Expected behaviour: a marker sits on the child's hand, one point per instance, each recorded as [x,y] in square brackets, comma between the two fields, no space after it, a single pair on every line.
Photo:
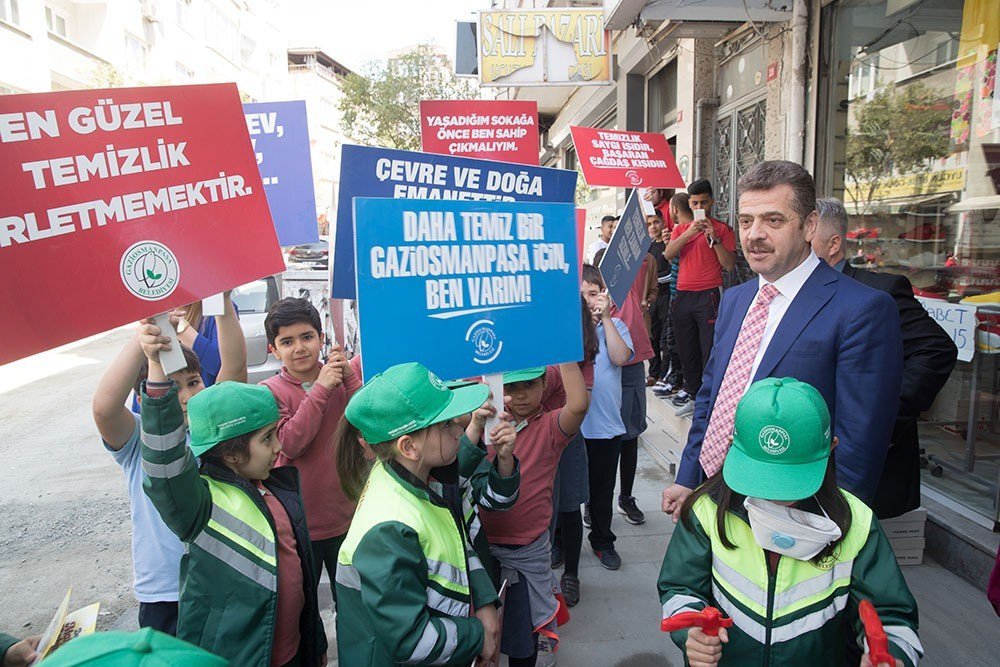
[491,631]
[703,650]
[22,653]
[482,414]
[150,339]
[867,662]
[503,437]
[602,306]
[332,373]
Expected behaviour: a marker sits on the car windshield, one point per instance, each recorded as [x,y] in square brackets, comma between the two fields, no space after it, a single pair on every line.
[252,297]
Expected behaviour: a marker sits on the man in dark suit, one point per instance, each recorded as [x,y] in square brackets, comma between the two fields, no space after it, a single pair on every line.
[929,356]
[799,319]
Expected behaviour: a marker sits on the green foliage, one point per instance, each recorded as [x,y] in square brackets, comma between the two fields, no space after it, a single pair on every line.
[381,108]
[893,134]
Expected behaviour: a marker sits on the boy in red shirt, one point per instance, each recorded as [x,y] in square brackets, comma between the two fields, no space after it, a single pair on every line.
[706,247]
[311,398]
[519,537]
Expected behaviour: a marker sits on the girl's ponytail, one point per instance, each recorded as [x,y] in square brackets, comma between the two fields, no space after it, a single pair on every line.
[353,461]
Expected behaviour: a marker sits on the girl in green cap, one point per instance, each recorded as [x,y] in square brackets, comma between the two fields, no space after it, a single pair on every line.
[776,546]
[410,588]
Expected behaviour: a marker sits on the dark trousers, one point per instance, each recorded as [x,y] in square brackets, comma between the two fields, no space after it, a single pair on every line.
[659,320]
[602,459]
[629,461]
[694,326]
[668,342]
[325,553]
[160,616]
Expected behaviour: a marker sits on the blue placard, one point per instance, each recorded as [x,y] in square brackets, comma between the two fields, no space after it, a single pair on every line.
[380,172]
[466,288]
[626,252]
[280,136]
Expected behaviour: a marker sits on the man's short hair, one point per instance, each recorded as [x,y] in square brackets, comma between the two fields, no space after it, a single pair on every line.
[832,214]
[607,218]
[654,215]
[772,173]
[680,201]
[700,187]
[289,311]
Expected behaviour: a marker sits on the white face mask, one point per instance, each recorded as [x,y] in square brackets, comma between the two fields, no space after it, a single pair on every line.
[789,532]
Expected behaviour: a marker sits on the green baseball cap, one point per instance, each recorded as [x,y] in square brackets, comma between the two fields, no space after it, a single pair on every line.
[226,410]
[145,648]
[523,375]
[781,441]
[406,398]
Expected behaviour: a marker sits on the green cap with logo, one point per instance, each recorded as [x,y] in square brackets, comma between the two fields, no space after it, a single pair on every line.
[145,648]
[226,410]
[523,375]
[781,441]
[406,398]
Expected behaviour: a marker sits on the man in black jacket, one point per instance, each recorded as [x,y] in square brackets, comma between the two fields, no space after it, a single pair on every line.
[928,358]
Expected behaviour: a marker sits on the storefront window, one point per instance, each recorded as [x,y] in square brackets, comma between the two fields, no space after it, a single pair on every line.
[662,96]
[914,116]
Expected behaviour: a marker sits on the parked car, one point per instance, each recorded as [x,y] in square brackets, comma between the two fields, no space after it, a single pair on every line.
[253,301]
[317,254]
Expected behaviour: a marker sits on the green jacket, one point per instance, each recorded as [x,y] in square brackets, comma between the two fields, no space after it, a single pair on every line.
[6,641]
[799,613]
[407,579]
[229,574]
[483,487]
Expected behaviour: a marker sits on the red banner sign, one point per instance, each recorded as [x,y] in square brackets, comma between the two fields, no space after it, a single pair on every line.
[120,204]
[622,159]
[501,130]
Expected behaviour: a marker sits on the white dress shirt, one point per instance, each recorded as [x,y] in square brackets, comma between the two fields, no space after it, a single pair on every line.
[788,287]
[595,247]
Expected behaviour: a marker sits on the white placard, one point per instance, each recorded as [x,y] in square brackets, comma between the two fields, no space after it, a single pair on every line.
[958,320]
[213,305]
[171,360]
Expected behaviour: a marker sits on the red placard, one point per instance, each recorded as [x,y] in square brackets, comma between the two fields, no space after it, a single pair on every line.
[501,130]
[120,204]
[626,159]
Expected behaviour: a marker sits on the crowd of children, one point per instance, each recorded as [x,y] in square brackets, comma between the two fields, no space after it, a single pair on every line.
[440,534]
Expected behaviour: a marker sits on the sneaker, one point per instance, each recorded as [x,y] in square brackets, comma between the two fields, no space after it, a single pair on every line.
[571,589]
[665,390]
[628,508]
[586,515]
[610,560]
[681,398]
[557,557]
[660,384]
[684,410]
[546,654]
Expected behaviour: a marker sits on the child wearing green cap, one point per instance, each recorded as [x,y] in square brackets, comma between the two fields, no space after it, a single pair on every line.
[246,576]
[410,588]
[774,544]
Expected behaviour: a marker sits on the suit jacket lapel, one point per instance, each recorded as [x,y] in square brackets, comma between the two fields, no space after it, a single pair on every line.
[811,298]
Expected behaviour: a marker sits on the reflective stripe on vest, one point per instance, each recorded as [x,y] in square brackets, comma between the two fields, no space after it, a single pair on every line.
[239,535]
[443,545]
[805,596]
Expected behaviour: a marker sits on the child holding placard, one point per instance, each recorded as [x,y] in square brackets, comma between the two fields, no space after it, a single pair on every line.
[247,591]
[519,537]
[311,396]
[156,552]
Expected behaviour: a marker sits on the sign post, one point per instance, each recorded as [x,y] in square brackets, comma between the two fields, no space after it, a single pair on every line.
[473,285]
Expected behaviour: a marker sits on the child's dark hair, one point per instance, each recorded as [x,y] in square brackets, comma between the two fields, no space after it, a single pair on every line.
[829,497]
[238,446]
[192,365]
[591,343]
[592,275]
[288,311]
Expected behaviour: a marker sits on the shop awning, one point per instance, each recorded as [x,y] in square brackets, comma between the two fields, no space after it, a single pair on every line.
[975,204]
[894,206]
[621,14]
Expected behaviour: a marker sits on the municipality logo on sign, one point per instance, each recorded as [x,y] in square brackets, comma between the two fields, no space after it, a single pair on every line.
[486,344]
[774,440]
[150,270]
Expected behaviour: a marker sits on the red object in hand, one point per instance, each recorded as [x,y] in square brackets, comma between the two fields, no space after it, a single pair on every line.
[878,642]
[708,619]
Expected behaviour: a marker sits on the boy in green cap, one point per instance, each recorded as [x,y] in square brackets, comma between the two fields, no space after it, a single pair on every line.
[772,542]
[246,579]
